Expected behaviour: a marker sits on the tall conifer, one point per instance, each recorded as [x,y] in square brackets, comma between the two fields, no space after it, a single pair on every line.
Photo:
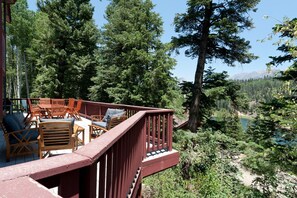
[134,64]
[67,62]
[210,29]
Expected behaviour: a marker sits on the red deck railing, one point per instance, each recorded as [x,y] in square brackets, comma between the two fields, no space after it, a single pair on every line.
[109,166]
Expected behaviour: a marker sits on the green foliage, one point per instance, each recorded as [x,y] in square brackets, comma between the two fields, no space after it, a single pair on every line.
[217,88]
[64,48]
[228,123]
[225,20]
[134,65]
[204,169]
[262,90]
[274,128]
[275,125]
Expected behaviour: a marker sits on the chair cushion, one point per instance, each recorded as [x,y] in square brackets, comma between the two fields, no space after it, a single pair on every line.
[118,115]
[110,112]
[20,118]
[11,124]
[59,120]
[101,124]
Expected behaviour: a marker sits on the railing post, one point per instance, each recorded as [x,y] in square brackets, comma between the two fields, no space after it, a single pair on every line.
[170,130]
[88,181]
[69,184]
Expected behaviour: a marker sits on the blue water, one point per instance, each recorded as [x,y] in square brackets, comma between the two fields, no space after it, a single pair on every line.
[244,123]
[278,139]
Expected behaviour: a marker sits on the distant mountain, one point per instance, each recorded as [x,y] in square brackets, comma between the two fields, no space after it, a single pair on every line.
[254,75]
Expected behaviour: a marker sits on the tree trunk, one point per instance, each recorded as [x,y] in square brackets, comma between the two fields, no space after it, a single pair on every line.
[18,75]
[195,117]
[26,77]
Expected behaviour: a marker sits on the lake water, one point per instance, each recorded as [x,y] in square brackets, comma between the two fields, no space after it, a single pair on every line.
[244,123]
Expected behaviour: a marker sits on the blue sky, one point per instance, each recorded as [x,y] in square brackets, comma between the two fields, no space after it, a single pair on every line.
[186,67]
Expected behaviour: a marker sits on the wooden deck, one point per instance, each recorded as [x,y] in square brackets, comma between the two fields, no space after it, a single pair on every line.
[140,146]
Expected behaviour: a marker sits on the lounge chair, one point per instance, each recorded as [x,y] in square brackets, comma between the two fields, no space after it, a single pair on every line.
[55,136]
[101,124]
[20,135]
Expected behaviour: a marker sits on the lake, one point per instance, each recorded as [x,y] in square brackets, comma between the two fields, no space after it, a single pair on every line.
[244,123]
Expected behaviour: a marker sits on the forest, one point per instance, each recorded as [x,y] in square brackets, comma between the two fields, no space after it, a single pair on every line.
[58,52]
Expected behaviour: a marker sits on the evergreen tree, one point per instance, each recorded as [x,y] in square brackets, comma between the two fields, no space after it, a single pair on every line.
[19,36]
[65,59]
[211,30]
[275,127]
[134,65]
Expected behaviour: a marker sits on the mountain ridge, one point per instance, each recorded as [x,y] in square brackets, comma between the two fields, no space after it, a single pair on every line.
[255,74]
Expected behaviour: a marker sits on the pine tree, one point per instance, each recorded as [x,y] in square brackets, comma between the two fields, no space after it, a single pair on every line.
[67,58]
[275,127]
[210,29]
[134,64]
[19,36]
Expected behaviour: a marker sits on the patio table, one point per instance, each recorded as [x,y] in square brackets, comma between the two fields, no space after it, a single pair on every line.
[50,108]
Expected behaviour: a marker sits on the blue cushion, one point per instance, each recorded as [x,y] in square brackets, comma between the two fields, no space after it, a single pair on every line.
[32,135]
[110,112]
[59,120]
[101,124]
[114,116]
[10,123]
[19,117]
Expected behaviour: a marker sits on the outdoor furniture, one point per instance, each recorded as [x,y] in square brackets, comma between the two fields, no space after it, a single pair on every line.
[58,102]
[53,110]
[74,112]
[70,107]
[44,101]
[57,112]
[55,136]
[101,124]
[77,130]
[34,111]
[19,135]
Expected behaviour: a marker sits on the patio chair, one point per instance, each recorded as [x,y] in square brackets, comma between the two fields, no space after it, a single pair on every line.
[101,124]
[77,130]
[55,136]
[74,112]
[20,136]
[34,111]
[70,107]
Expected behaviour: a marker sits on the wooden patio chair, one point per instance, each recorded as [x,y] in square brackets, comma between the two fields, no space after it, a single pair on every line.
[77,130]
[20,136]
[34,111]
[70,107]
[55,136]
[101,124]
[75,111]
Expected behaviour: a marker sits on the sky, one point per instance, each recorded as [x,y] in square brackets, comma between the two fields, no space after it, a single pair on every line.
[186,67]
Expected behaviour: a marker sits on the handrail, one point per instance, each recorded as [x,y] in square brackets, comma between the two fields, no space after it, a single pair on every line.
[116,157]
